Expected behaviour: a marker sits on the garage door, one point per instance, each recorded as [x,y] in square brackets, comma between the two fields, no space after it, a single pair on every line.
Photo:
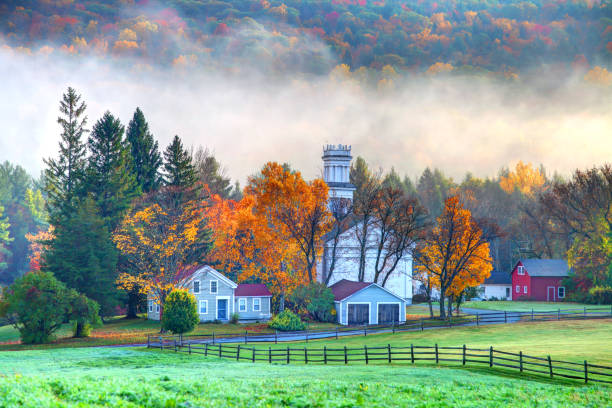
[358,314]
[388,314]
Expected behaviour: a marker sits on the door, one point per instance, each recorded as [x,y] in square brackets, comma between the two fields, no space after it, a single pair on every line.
[551,295]
[358,314]
[222,309]
[388,314]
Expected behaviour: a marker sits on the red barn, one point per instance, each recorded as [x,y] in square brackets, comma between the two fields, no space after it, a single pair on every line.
[539,279]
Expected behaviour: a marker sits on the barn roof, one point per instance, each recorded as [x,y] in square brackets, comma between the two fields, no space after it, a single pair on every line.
[546,267]
[498,278]
[252,289]
[345,288]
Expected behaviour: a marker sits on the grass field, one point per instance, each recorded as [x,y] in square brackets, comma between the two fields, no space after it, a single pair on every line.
[124,377]
[527,306]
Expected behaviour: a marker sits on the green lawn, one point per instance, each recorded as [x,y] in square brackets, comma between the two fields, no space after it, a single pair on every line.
[572,340]
[511,306]
[121,377]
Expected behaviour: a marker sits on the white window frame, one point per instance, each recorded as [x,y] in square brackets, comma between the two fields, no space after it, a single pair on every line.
[240,303]
[520,270]
[257,304]
[199,286]
[157,308]
[150,306]
[229,311]
[525,289]
[559,293]
[518,289]
[203,302]
[399,314]
[216,287]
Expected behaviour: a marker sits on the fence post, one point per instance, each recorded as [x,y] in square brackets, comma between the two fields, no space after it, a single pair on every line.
[253,349]
[559,314]
[550,367]
[393,326]
[464,354]
[175,349]
[491,357]
[584,317]
[336,332]
[307,335]
[345,356]
[477,318]
[450,322]
[389,352]
[270,355]
[213,334]
[365,348]
[411,353]
[365,329]
[238,353]
[275,336]
[422,328]
[288,355]
[148,341]
[161,343]
[181,339]
[586,372]
[246,337]
[521,361]
[436,353]
[532,314]
[325,354]
[206,349]
[305,355]
[220,349]
[189,345]
[505,317]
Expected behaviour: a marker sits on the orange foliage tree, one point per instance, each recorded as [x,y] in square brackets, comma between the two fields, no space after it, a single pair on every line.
[524,178]
[274,234]
[455,253]
[160,238]
[38,243]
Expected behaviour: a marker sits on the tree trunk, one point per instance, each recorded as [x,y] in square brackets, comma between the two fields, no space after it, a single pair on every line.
[442,309]
[430,308]
[132,305]
[450,307]
[80,330]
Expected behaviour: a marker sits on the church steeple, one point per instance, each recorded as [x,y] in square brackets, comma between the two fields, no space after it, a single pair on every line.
[336,168]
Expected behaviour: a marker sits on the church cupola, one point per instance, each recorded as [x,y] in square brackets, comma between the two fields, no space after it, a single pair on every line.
[336,169]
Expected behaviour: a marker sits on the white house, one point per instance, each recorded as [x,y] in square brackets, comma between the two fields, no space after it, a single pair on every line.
[498,286]
[337,162]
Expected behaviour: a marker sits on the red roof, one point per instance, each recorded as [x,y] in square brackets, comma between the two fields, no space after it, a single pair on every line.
[345,288]
[252,289]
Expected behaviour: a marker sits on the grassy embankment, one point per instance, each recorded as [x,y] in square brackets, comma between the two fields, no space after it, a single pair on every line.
[99,378]
[511,306]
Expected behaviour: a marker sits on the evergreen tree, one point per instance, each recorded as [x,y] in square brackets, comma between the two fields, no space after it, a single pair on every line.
[64,176]
[110,180]
[83,256]
[4,241]
[146,159]
[179,170]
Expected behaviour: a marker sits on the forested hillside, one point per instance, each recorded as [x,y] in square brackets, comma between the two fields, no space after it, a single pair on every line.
[506,37]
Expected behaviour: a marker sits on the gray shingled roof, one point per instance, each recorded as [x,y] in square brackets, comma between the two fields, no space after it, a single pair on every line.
[546,267]
[499,278]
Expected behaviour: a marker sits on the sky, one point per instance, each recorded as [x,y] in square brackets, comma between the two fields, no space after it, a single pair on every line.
[456,124]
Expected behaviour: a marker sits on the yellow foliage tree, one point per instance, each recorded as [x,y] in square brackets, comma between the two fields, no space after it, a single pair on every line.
[524,178]
[455,254]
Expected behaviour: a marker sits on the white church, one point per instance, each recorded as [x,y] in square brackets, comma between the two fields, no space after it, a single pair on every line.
[337,163]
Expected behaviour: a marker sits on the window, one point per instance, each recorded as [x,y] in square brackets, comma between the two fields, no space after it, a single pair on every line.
[242,307]
[157,308]
[203,306]
[518,289]
[256,304]
[213,286]
[196,286]
[560,292]
[150,306]
[524,289]
[521,270]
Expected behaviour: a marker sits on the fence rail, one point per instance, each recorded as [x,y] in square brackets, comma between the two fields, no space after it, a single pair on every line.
[388,354]
[484,318]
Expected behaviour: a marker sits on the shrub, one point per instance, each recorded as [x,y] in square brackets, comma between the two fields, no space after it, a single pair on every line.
[601,295]
[420,298]
[286,321]
[180,313]
[234,318]
[39,304]
[315,300]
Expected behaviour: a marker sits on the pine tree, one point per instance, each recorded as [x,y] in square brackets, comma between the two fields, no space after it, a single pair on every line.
[83,256]
[109,178]
[4,241]
[64,176]
[179,170]
[146,159]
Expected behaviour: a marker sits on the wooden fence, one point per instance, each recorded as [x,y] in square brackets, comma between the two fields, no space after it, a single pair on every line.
[490,357]
[484,318]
